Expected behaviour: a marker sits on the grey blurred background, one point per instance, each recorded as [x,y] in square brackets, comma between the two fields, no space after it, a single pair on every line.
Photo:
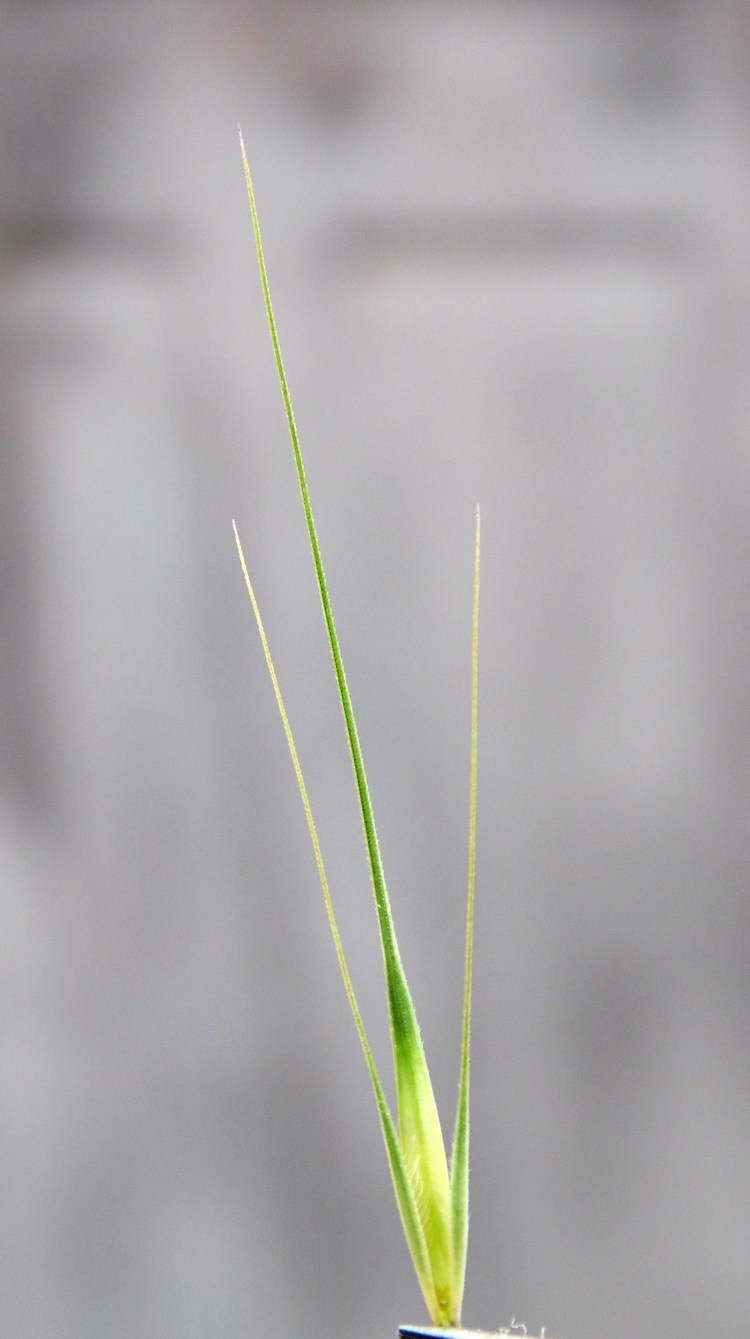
[508,245]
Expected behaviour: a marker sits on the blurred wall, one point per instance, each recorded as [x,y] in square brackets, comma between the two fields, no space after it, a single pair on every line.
[508,247]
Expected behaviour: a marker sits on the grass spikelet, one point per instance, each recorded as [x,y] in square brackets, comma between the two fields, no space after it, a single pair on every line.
[433,1202]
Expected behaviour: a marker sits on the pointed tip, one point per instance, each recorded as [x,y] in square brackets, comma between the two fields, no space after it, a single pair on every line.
[243,150]
[238,543]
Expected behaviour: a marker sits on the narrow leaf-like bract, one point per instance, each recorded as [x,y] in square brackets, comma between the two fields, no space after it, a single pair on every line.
[401,1181]
[460,1154]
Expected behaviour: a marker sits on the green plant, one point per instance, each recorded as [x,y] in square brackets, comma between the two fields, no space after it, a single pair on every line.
[433,1201]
